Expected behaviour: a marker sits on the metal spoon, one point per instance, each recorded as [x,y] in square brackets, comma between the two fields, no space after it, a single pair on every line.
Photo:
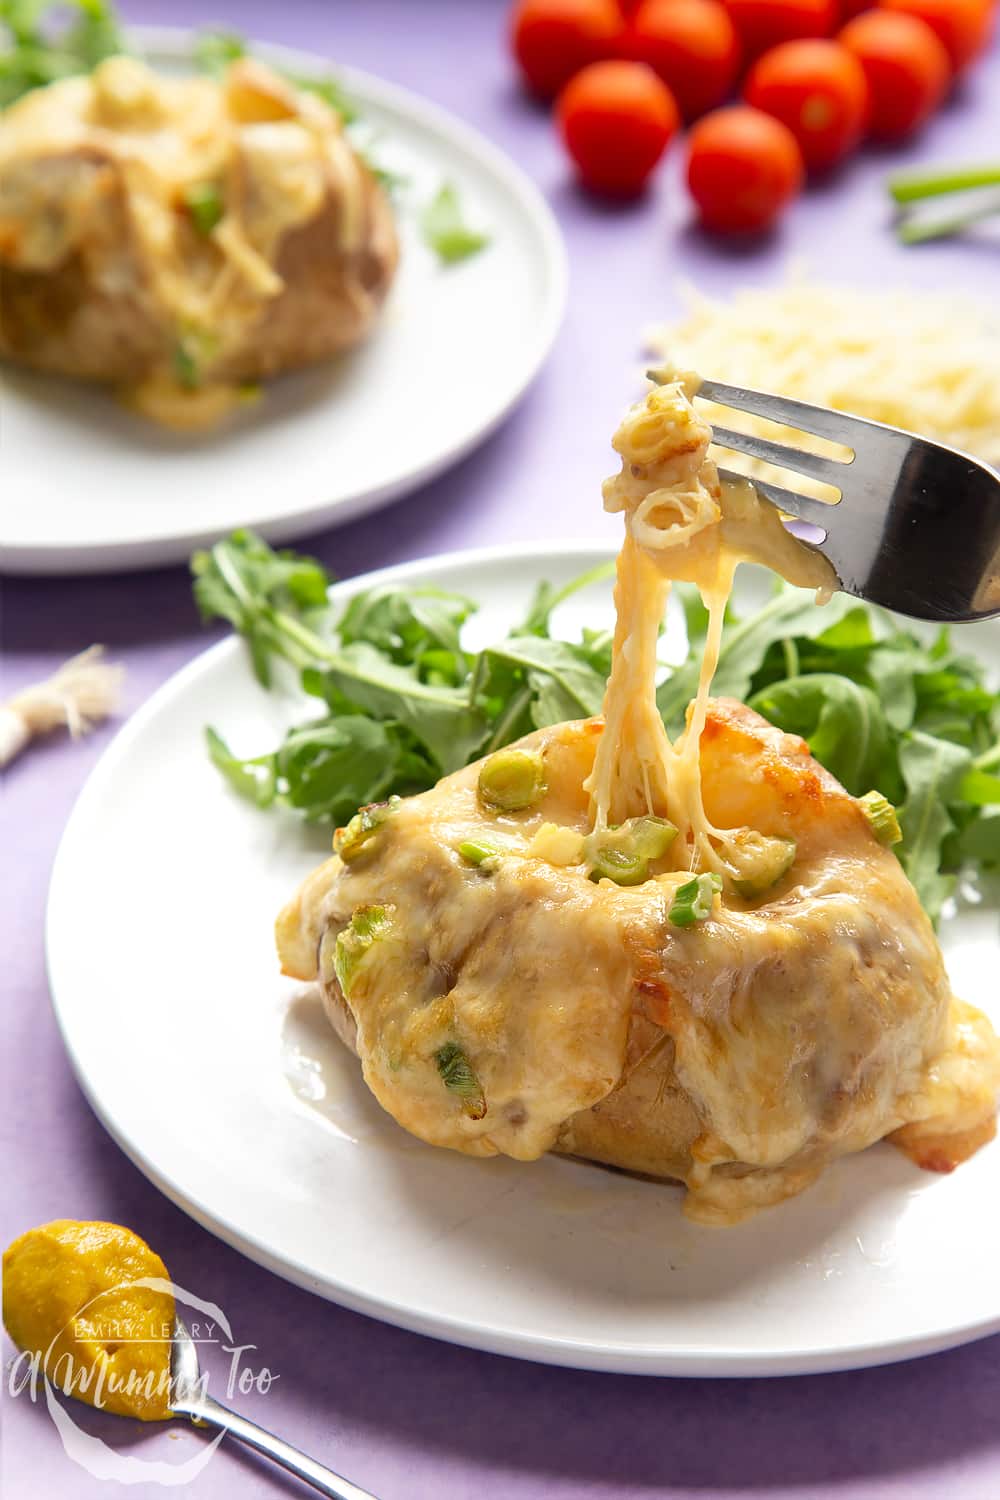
[190,1399]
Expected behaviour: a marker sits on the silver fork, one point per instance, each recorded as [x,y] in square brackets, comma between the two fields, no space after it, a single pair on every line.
[917,527]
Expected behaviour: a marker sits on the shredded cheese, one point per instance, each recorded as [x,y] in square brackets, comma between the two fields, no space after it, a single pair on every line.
[928,362]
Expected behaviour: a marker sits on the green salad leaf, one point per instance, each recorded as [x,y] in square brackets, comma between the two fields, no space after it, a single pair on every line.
[883,708]
[215,50]
[842,720]
[406,703]
[445,230]
[45,42]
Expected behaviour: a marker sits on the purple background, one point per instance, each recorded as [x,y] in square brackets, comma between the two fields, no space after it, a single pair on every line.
[403,1415]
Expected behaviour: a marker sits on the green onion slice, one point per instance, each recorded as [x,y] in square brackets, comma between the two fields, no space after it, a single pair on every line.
[355,836]
[510,780]
[623,854]
[756,861]
[482,853]
[368,926]
[203,201]
[460,1078]
[882,816]
[693,900]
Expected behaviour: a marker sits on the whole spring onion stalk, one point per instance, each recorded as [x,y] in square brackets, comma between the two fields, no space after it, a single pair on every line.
[914,226]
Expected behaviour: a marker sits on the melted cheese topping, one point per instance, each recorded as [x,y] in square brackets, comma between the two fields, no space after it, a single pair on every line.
[271,153]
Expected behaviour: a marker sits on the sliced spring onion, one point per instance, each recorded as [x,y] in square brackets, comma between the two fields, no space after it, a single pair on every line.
[693,900]
[623,854]
[203,201]
[882,816]
[185,368]
[353,839]
[444,229]
[482,853]
[618,865]
[756,861]
[510,780]
[460,1078]
[368,925]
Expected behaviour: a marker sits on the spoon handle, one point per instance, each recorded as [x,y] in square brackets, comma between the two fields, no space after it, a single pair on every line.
[318,1475]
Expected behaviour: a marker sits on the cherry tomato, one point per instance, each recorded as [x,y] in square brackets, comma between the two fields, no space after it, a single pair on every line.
[907,69]
[692,45]
[962,26]
[761,24]
[616,119]
[848,9]
[743,168]
[553,39]
[819,90]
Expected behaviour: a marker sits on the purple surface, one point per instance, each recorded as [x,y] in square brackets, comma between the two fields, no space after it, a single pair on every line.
[402,1415]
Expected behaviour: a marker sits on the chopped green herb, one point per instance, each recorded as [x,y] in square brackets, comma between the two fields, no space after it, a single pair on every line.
[186,369]
[756,861]
[480,852]
[623,854]
[511,780]
[693,900]
[204,203]
[444,230]
[353,840]
[460,1078]
[368,926]
[882,816]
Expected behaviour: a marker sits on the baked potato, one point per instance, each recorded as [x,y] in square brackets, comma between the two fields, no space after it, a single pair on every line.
[179,238]
[738,1054]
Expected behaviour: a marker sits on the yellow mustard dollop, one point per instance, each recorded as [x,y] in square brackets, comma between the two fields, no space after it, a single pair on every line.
[70,1298]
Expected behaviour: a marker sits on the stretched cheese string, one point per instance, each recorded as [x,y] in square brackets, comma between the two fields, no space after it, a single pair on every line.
[681,522]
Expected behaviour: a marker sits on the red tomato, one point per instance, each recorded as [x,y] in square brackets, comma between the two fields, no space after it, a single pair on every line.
[819,90]
[743,168]
[553,39]
[761,24]
[907,69]
[692,45]
[962,26]
[847,9]
[616,119]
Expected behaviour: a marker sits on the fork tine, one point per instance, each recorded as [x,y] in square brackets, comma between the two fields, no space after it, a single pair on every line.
[817,512]
[829,470]
[782,409]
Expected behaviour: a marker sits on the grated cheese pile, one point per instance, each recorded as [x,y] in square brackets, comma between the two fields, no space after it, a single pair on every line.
[925,361]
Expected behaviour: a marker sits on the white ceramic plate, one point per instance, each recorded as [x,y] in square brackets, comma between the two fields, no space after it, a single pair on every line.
[88,486]
[224,1084]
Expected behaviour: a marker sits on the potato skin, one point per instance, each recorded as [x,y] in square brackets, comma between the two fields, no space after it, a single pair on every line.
[67,321]
[315,316]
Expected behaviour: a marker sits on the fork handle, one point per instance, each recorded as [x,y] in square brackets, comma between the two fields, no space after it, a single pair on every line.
[318,1475]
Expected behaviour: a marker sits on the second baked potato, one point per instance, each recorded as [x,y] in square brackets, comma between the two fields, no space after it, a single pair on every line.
[181,237]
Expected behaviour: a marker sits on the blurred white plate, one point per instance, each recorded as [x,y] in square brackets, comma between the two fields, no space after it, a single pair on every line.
[224,1084]
[89,486]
